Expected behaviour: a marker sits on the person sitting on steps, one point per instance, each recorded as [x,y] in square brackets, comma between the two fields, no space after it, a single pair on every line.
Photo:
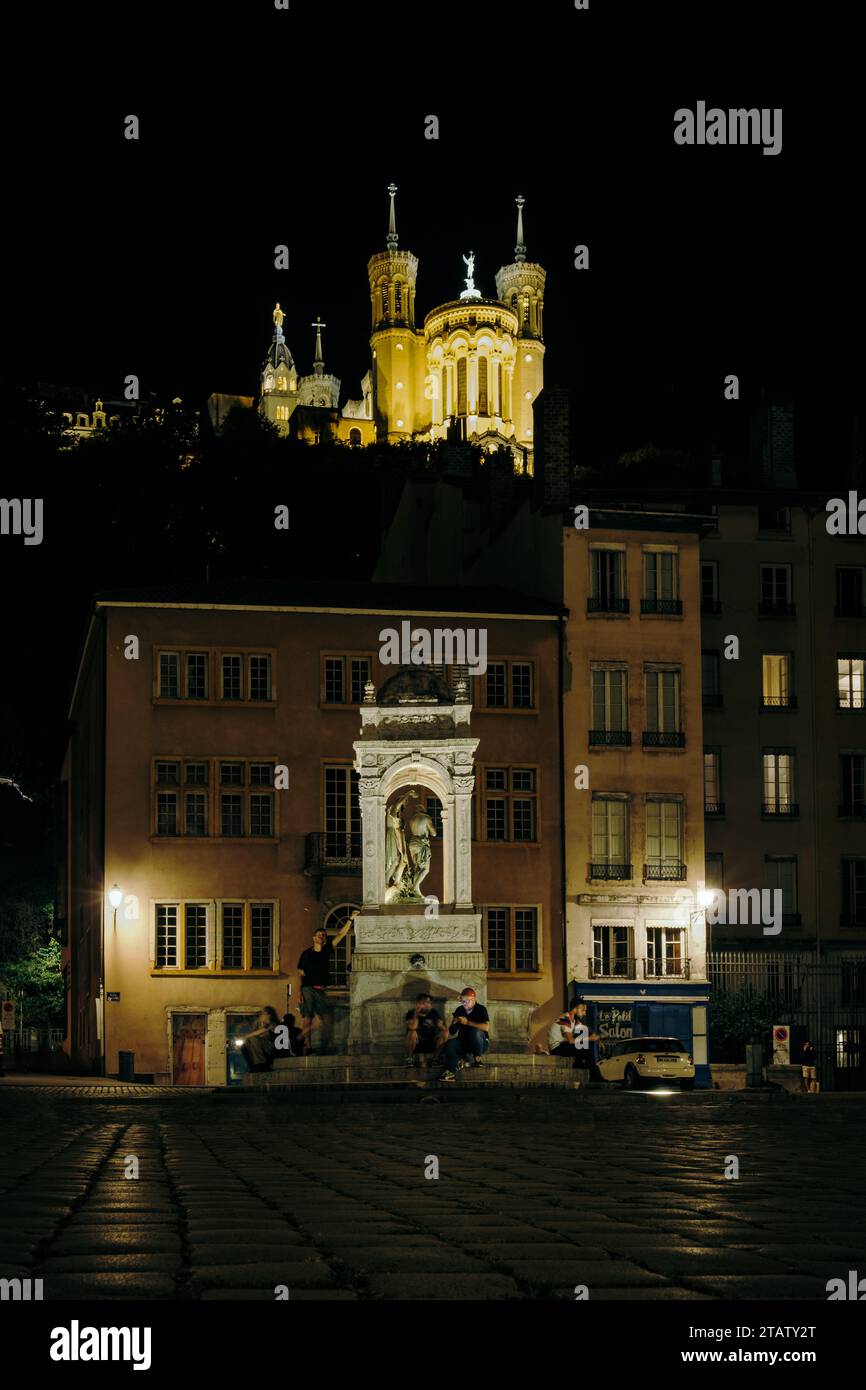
[470,1030]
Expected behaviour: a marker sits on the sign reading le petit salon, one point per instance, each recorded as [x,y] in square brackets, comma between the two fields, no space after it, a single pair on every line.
[613,1022]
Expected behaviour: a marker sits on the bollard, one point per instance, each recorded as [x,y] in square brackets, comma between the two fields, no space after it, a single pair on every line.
[126,1066]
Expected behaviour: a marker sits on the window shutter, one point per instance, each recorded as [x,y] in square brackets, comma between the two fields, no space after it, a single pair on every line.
[617,701]
[211,936]
[653,831]
[652,700]
[151,935]
[598,720]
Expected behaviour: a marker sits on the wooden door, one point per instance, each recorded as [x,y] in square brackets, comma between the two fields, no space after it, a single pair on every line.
[189,1034]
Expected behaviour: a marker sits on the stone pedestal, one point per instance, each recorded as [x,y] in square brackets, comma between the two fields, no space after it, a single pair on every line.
[384,982]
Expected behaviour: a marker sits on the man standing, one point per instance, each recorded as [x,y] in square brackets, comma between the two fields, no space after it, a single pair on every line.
[314,965]
[809,1064]
[470,1029]
[425,1030]
[582,1036]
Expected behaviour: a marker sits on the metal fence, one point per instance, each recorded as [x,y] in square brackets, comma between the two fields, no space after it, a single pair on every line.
[29,1049]
[819,998]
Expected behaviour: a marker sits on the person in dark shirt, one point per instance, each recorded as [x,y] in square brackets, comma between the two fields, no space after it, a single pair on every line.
[296,1036]
[425,1030]
[809,1064]
[314,965]
[470,1030]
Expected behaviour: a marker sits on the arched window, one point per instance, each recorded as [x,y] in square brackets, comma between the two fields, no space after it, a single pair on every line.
[483,405]
[354,437]
[385,302]
[398,300]
[341,960]
[461,386]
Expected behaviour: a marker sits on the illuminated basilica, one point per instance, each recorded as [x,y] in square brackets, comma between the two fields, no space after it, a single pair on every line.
[472,370]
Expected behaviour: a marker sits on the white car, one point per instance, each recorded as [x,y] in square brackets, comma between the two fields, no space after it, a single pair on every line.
[639,1060]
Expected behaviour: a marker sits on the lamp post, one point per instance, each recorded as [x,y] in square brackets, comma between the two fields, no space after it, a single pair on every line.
[115,898]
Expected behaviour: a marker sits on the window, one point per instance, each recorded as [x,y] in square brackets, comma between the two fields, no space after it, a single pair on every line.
[663,710]
[341,960]
[852,777]
[607,593]
[232,936]
[710,587]
[511,935]
[776,593]
[661,582]
[167,774]
[169,675]
[195,929]
[714,871]
[780,871]
[850,684]
[850,591]
[610,707]
[342,812]
[344,678]
[261,936]
[612,954]
[433,807]
[778,773]
[482,386]
[261,813]
[773,518]
[232,774]
[231,814]
[461,386]
[232,678]
[610,838]
[665,952]
[510,685]
[243,803]
[510,803]
[776,681]
[853,891]
[260,677]
[664,840]
[196,675]
[196,813]
[247,936]
[196,774]
[713,803]
[166,813]
[261,774]
[166,936]
[711,680]
[181,936]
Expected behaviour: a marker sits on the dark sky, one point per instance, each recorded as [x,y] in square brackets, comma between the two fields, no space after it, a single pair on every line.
[260,127]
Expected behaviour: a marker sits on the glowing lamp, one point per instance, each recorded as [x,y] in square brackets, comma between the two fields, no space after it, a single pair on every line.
[115,896]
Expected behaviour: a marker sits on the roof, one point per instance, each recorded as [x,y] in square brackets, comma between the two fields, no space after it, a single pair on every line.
[401,600]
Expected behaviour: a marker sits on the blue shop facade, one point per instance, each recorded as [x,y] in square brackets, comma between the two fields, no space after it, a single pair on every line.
[655,1009]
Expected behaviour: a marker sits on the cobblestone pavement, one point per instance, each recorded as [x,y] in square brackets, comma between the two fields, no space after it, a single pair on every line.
[536,1193]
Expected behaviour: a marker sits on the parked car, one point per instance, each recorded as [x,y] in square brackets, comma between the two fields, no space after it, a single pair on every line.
[639,1060]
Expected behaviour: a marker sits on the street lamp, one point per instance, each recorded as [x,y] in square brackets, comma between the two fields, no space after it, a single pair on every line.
[115,898]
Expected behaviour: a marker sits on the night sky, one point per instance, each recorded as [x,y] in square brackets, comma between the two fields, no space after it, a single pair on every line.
[257,127]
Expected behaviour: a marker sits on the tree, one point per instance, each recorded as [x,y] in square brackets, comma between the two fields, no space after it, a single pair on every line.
[739,1017]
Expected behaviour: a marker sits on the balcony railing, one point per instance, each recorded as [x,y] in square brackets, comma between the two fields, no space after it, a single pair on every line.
[853,808]
[779,701]
[610,871]
[775,808]
[667,969]
[854,919]
[855,701]
[326,852]
[669,607]
[610,738]
[776,608]
[714,808]
[618,968]
[600,603]
[711,605]
[657,738]
[664,873]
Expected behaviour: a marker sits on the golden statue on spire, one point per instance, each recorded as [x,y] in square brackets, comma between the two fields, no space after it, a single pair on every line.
[278,317]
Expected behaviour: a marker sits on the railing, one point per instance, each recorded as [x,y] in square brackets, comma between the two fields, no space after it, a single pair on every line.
[610,871]
[855,701]
[667,969]
[326,852]
[773,808]
[597,604]
[610,738]
[664,873]
[657,738]
[779,701]
[711,605]
[670,607]
[776,608]
[621,968]
[714,808]
[853,808]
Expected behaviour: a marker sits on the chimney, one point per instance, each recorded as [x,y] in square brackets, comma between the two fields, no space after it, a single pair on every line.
[552,434]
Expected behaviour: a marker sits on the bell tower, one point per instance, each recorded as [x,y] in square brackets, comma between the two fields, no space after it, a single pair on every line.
[395,343]
[521,287]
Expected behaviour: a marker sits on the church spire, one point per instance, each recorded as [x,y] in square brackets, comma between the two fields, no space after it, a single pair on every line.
[520,248]
[392,239]
[318,360]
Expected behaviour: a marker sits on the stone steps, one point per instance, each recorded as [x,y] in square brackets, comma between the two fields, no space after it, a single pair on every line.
[503,1068]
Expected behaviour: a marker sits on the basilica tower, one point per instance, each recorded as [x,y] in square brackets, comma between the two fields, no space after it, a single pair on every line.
[521,286]
[397,346]
[279,378]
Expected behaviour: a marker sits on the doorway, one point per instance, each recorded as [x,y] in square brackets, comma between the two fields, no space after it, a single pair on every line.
[237,1028]
[188,1049]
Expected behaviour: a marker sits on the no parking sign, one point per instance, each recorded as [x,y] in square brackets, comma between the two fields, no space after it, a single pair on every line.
[781,1046]
[7,1015]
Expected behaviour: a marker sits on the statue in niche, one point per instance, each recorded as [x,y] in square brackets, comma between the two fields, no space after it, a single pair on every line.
[408,852]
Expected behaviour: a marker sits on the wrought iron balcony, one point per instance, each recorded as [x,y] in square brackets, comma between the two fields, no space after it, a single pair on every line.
[656,738]
[610,738]
[618,968]
[776,608]
[599,603]
[668,607]
[710,605]
[855,701]
[610,871]
[664,873]
[779,701]
[714,808]
[329,853]
[667,969]
[776,808]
